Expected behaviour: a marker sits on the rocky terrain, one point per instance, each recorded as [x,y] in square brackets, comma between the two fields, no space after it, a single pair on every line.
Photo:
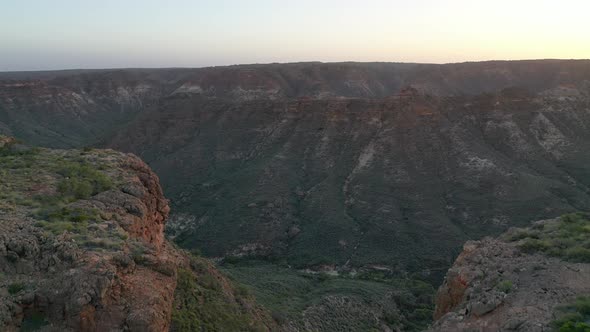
[533,279]
[371,174]
[82,248]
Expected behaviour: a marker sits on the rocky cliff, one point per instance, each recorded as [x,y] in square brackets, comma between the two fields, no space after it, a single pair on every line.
[82,249]
[532,279]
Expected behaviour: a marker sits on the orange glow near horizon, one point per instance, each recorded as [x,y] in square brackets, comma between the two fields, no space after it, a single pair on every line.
[182,33]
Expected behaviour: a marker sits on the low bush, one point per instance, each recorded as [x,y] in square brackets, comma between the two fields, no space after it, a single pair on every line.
[16,148]
[33,321]
[82,181]
[58,227]
[15,288]
[504,286]
[103,243]
[59,219]
[138,252]
[568,238]
[75,215]
[200,308]
[574,317]
[574,327]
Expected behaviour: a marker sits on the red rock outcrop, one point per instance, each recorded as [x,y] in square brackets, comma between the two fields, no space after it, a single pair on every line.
[457,281]
[100,263]
[496,286]
[152,210]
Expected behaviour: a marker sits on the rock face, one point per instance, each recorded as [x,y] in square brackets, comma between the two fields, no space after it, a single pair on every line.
[96,260]
[497,285]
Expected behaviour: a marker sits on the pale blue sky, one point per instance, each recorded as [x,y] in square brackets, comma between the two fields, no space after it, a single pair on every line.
[57,34]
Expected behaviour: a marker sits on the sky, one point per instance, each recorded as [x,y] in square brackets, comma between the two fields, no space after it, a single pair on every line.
[68,34]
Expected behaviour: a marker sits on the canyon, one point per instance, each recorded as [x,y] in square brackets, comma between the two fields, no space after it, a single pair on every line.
[368,175]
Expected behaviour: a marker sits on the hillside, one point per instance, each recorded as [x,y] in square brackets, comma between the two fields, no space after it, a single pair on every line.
[373,174]
[82,236]
[401,182]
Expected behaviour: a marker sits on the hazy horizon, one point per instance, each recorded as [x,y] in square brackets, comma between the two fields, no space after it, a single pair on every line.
[68,34]
[287,63]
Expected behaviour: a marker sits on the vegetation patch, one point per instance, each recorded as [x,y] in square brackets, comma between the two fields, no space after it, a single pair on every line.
[82,181]
[74,215]
[16,148]
[58,219]
[568,238]
[33,321]
[44,183]
[405,304]
[504,286]
[15,288]
[200,305]
[42,178]
[574,317]
[58,227]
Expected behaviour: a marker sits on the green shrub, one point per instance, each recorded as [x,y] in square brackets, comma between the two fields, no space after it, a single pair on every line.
[82,181]
[198,265]
[504,286]
[574,327]
[59,219]
[575,218]
[568,238]
[139,259]
[33,321]
[16,148]
[138,250]
[103,243]
[15,288]
[242,291]
[58,227]
[532,245]
[522,234]
[209,282]
[74,215]
[76,188]
[578,254]
[574,317]
[199,308]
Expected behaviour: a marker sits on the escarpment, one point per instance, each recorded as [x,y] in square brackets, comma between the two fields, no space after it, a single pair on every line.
[82,248]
